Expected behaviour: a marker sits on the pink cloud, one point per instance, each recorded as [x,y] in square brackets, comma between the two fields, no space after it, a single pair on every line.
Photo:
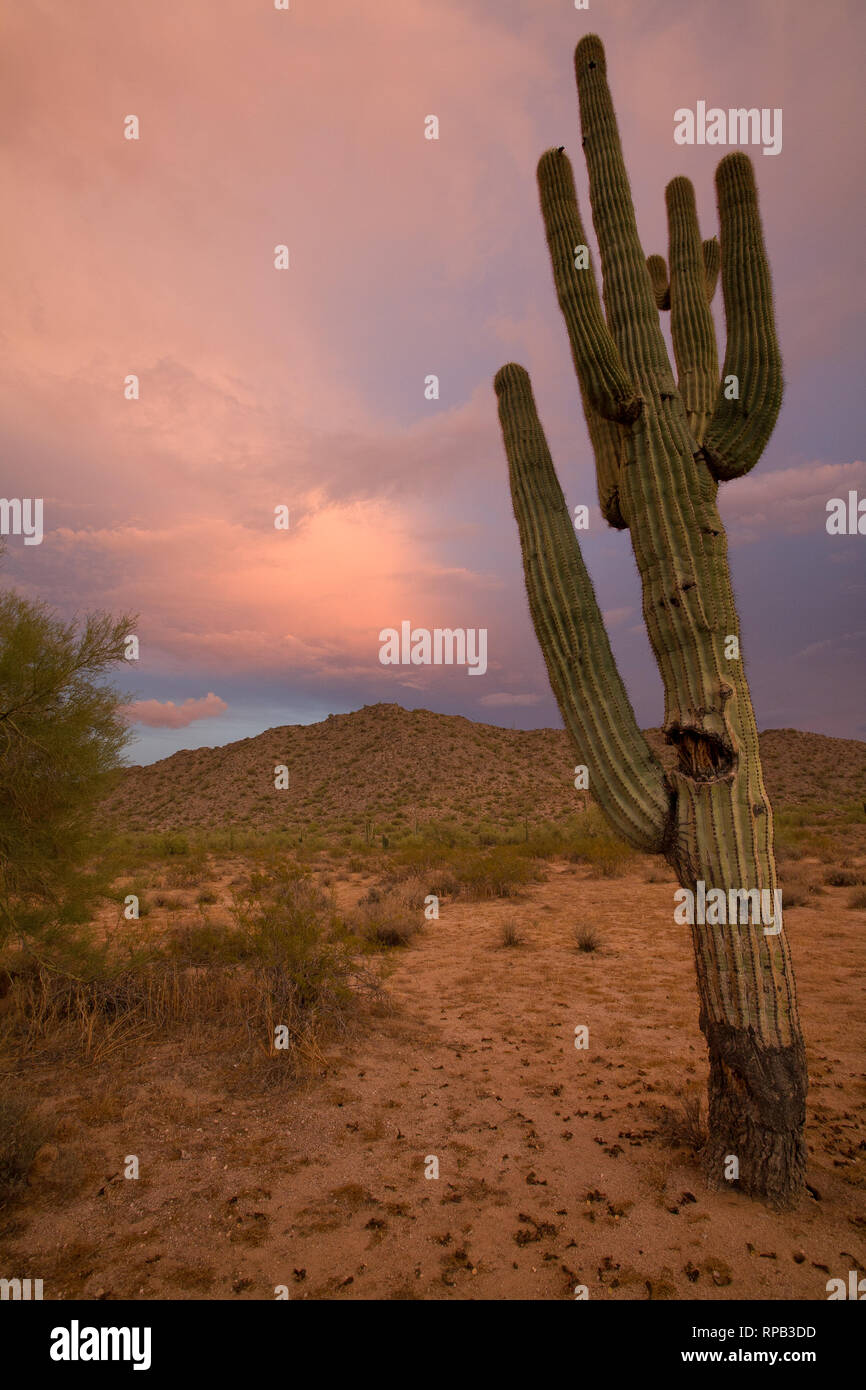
[787,501]
[165,714]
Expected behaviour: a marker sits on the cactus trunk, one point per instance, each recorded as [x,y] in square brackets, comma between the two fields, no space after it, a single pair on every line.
[661,447]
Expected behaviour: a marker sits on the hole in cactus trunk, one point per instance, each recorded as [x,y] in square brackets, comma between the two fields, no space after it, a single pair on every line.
[703,757]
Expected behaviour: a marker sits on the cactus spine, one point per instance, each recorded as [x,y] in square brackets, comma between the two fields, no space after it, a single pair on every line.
[661,447]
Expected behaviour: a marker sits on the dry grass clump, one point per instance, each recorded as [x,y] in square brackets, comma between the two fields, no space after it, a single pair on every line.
[384,919]
[21,1137]
[607,855]
[587,939]
[800,886]
[683,1127]
[510,934]
[844,876]
[497,871]
[286,960]
[172,902]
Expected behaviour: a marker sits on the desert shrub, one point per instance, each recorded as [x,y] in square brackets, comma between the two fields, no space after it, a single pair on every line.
[21,1136]
[799,886]
[545,841]
[844,878]
[171,844]
[510,935]
[587,939]
[187,871]
[385,922]
[499,871]
[795,893]
[610,861]
[204,942]
[495,873]
[787,848]
[684,1126]
[390,931]
[170,901]
[607,855]
[412,893]
[594,843]
[285,961]
[63,736]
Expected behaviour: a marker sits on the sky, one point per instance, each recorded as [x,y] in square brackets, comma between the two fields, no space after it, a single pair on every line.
[304,388]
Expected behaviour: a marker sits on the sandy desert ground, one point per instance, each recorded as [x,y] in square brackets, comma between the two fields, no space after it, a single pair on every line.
[558,1167]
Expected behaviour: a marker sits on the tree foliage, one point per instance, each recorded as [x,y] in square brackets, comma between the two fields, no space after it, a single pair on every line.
[62,733]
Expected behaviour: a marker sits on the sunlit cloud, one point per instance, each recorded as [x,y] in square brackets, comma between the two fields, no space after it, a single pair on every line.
[165,714]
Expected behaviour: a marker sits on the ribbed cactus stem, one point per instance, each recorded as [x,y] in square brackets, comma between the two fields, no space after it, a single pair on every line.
[712,264]
[629,300]
[628,781]
[692,329]
[661,446]
[742,424]
[658,273]
[596,360]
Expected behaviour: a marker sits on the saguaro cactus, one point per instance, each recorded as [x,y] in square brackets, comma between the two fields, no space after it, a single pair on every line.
[661,448]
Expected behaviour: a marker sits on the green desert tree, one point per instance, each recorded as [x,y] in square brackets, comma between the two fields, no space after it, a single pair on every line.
[62,732]
[662,447]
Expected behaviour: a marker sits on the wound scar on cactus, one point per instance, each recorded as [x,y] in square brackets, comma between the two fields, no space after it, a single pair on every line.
[702,756]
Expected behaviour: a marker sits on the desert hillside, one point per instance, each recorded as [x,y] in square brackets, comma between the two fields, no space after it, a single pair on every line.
[399,767]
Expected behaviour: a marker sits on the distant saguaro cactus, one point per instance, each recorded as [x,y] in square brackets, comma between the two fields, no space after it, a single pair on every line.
[661,447]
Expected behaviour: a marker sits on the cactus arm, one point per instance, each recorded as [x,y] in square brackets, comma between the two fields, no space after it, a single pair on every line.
[627,779]
[606,440]
[740,428]
[712,253]
[658,273]
[692,330]
[629,299]
[597,362]
[607,393]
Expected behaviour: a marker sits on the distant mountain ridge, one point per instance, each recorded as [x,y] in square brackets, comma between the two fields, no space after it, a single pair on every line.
[404,766]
